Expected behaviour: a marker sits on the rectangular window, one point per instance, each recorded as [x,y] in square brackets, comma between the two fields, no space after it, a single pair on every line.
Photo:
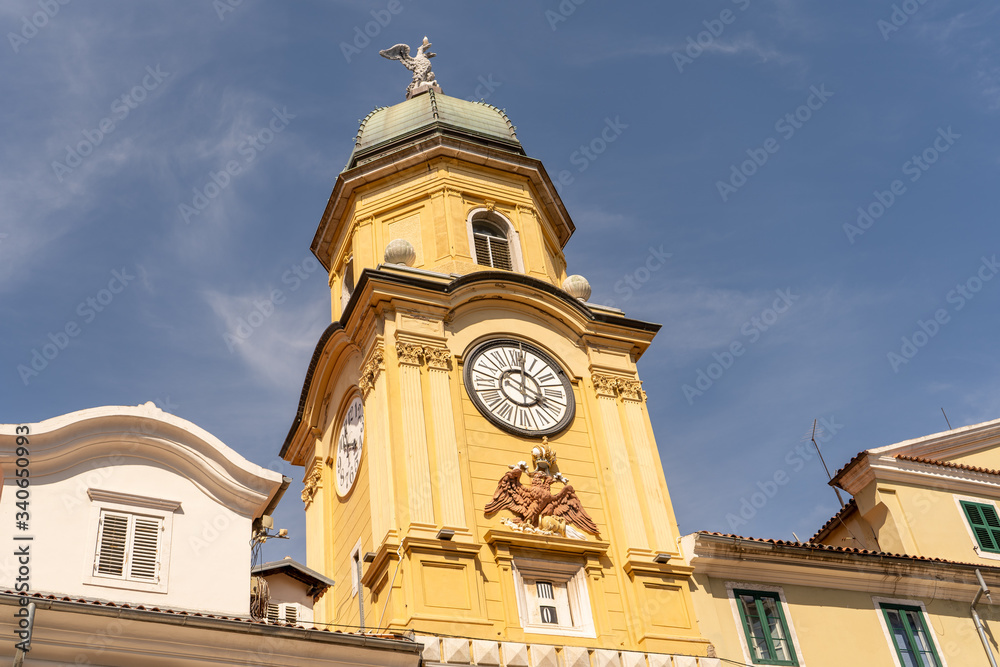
[985,524]
[909,635]
[765,628]
[128,547]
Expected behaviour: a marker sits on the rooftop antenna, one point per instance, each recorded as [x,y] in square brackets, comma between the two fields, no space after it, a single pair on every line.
[946,419]
[828,475]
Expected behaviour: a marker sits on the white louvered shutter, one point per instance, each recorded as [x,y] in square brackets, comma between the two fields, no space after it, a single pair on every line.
[112,543]
[144,563]
[291,613]
[272,612]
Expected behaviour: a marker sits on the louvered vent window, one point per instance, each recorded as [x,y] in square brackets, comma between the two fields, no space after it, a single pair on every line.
[492,246]
[284,612]
[985,524]
[128,547]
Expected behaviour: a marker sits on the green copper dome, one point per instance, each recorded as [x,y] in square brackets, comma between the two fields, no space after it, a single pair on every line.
[430,113]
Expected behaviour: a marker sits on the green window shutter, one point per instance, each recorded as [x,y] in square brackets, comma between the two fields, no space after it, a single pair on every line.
[765,628]
[985,524]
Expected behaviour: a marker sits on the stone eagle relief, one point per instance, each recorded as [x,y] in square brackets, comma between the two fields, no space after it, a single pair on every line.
[539,510]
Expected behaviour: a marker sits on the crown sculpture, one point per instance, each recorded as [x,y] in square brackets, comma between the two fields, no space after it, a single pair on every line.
[540,511]
[420,65]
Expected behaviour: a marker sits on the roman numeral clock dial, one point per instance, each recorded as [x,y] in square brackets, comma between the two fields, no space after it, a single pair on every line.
[519,388]
[349,443]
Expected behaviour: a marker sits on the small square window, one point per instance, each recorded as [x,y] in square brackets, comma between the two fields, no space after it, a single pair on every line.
[764,628]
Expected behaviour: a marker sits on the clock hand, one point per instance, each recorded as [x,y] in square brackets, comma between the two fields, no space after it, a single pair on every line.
[521,350]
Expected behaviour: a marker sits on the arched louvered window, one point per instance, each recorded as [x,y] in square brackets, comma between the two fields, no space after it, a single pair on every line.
[492,246]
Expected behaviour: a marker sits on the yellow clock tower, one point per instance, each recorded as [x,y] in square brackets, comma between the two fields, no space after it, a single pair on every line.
[479,463]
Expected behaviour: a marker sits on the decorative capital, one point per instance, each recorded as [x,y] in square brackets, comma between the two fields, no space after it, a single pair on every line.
[313,481]
[370,371]
[611,386]
[438,358]
[409,353]
[605,385]
[631,390]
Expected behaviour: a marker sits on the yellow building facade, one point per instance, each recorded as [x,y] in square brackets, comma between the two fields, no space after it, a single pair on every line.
[459,351]
[890,580]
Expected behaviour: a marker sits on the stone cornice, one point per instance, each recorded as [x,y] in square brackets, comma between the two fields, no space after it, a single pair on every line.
[729,557]
[888,468]
[421,152]
[529,541]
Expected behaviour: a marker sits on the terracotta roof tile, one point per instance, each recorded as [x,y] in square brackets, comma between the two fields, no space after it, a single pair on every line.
[851,506]
[815,546]
[850,464]
[184,612]
[947,464]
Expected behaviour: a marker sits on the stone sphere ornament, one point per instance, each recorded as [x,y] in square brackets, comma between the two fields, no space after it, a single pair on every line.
[577,287]
[400,251]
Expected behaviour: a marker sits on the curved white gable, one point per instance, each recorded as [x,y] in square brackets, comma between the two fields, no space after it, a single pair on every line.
[144,434]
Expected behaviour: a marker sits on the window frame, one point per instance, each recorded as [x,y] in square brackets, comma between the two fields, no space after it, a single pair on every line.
[527,572]
[497,219]
[909,605]
[133,506]
[747,634]
[962,502]
[733,588]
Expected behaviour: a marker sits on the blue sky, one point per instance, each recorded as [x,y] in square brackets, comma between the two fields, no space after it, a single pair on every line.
[748,134]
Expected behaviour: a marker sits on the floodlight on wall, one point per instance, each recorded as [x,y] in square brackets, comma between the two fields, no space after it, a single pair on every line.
[661,558]
[369,557]
[445,534]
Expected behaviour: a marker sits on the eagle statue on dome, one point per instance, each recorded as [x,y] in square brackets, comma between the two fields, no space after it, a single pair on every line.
[539,510]
[420,65]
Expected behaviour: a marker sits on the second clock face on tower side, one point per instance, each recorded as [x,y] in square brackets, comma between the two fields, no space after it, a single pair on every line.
[519,388]
[350,441]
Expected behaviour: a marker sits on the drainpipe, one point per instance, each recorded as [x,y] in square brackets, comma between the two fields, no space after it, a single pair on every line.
[983,589]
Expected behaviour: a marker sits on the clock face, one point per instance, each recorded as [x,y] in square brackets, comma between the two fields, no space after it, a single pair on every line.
[519,388]
[349,443]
